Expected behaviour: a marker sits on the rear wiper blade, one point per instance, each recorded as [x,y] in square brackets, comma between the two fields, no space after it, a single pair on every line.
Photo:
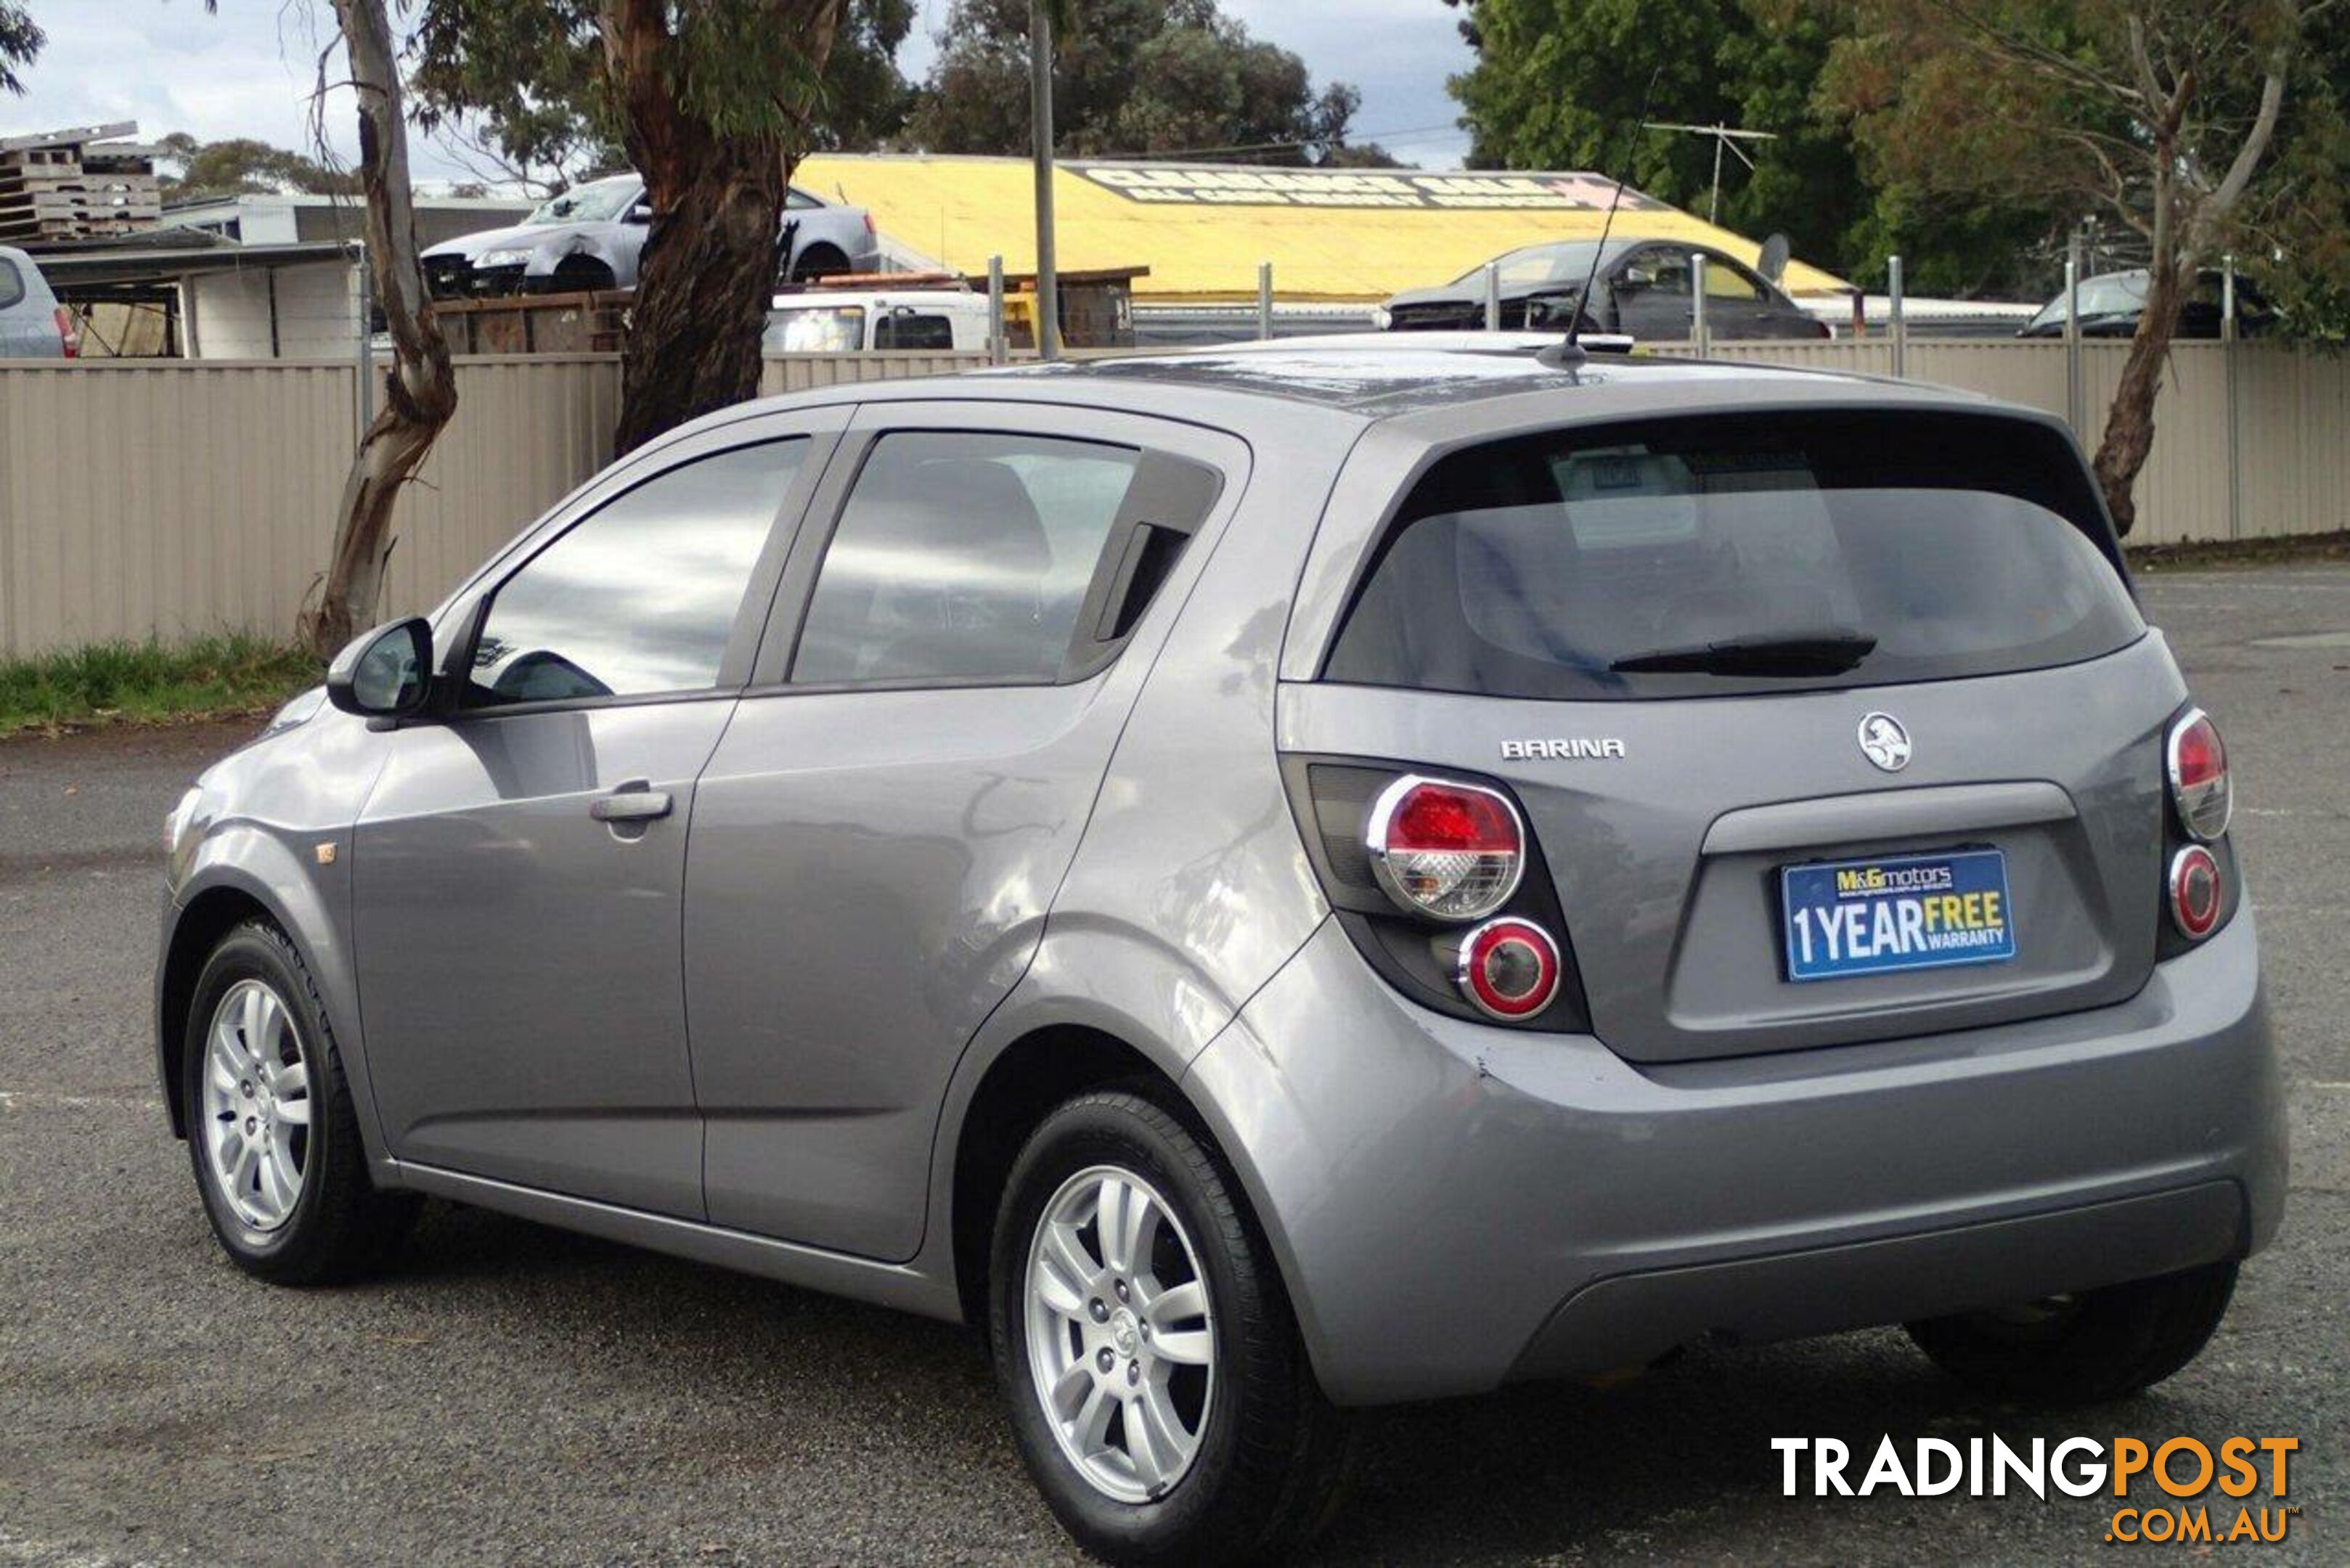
[1827,653]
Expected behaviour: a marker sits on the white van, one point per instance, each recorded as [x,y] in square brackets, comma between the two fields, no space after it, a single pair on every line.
[846,321]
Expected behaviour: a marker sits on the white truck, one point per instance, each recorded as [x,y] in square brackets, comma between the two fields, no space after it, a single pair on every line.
[850,320]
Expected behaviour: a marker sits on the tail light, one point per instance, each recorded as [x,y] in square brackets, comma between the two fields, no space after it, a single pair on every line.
[1442,888]
[870,231]
[1508,969]
[1453,851]
[2196,893]
[68,331]
[2197,764]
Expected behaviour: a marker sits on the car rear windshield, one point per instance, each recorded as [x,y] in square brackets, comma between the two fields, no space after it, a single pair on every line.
[1720,554]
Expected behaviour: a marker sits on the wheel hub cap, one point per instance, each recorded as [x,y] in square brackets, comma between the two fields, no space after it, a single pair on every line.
[1121,1337]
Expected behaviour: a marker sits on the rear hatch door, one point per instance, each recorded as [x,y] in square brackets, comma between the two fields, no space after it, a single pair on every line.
[1830,728]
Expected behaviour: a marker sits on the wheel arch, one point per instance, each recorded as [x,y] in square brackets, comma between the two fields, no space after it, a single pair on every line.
[796,266]
[244,871]
[200,924]
[1020,1086]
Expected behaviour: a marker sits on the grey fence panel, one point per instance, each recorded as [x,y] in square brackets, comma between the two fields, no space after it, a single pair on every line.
[163,499]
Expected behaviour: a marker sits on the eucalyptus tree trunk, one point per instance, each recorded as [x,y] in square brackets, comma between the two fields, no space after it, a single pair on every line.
[420,393]
[2128,436]
[710,260]
[2187,217]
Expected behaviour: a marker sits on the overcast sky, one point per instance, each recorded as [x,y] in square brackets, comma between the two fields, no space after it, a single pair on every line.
[248,69]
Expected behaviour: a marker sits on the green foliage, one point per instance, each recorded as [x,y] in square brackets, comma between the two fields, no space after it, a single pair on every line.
[1896,136]
[145,683]
[2298,248]
[2001,107]
[524,79]
[20,42]
[243,167]
[1559,84]
[1134,76]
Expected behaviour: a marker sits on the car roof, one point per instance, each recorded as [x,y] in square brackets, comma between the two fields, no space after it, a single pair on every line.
[1385,376]
[1427,390]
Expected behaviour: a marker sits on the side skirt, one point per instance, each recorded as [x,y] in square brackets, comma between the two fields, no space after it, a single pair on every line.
[898,1285]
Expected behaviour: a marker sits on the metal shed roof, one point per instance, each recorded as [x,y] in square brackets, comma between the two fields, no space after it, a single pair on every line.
[1201,228]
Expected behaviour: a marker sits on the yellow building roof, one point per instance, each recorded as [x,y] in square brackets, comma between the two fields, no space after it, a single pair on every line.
[1201,229]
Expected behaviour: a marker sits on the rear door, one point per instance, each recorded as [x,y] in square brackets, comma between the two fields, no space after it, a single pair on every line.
[879,838]
[1962,700]
[519,868]
[1738,305]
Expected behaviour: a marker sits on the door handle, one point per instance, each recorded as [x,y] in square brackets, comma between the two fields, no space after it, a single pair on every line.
[636,800]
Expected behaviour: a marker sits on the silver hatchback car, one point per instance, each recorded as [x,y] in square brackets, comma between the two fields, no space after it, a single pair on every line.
[1277,880]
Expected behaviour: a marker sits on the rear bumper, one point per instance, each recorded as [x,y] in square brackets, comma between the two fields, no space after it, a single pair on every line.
[1455,1206]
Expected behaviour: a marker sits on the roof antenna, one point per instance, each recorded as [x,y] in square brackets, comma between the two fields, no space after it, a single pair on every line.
[1571,354]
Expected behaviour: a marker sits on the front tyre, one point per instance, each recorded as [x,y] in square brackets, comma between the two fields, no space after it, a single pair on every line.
[2083,1349]
[1159,1392]
[272,1131]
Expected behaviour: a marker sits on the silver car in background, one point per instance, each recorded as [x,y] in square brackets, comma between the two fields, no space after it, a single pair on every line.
[33,325]
[591,237]
[1277,881]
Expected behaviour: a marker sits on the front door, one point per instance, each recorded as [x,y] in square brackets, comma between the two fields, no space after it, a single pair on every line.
[519,868]
[1651,291]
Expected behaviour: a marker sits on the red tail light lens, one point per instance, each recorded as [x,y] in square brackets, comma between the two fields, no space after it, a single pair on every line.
[68,331]
[2196,894]
[2197,764]
[1508,969]
[1454,851]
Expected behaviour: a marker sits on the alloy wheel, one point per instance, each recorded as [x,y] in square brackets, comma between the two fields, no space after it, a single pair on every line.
[1121,1334]
[257,1106]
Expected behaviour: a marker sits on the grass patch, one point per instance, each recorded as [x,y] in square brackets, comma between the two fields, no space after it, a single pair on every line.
[2282,551]
[149,683]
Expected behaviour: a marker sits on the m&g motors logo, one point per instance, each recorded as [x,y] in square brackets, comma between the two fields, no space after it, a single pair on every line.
[2176,1490]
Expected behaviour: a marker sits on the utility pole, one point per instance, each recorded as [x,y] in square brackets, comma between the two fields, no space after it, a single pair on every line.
[1040,113]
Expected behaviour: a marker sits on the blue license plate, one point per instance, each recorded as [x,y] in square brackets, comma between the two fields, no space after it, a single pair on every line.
[1848,917]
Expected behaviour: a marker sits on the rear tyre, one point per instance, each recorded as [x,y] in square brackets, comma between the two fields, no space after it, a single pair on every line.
[272,1130]
[1157,1388]
[2085,1349]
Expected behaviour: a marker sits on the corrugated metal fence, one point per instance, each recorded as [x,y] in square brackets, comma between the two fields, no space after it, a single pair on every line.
[174,499]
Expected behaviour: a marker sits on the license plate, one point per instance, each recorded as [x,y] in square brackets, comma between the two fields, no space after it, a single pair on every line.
[1847,917]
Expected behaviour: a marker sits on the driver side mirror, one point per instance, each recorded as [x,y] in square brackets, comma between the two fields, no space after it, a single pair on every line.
[639,213]
[386,673]
[1634,278]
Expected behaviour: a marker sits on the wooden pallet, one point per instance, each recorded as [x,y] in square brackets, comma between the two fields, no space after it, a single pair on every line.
[83,182]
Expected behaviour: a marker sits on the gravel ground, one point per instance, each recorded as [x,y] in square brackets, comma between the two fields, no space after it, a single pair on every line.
[517,1394]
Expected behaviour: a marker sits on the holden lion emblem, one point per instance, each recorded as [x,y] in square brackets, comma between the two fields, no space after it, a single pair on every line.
[1885,741]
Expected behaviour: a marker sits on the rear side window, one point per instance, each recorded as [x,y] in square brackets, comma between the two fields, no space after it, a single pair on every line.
[641,595]
[12,284]
[1722,554]
[909,330]
[962,558]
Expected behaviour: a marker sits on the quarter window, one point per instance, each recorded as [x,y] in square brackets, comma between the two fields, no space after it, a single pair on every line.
[12,284]
[639,596]
[962,558]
